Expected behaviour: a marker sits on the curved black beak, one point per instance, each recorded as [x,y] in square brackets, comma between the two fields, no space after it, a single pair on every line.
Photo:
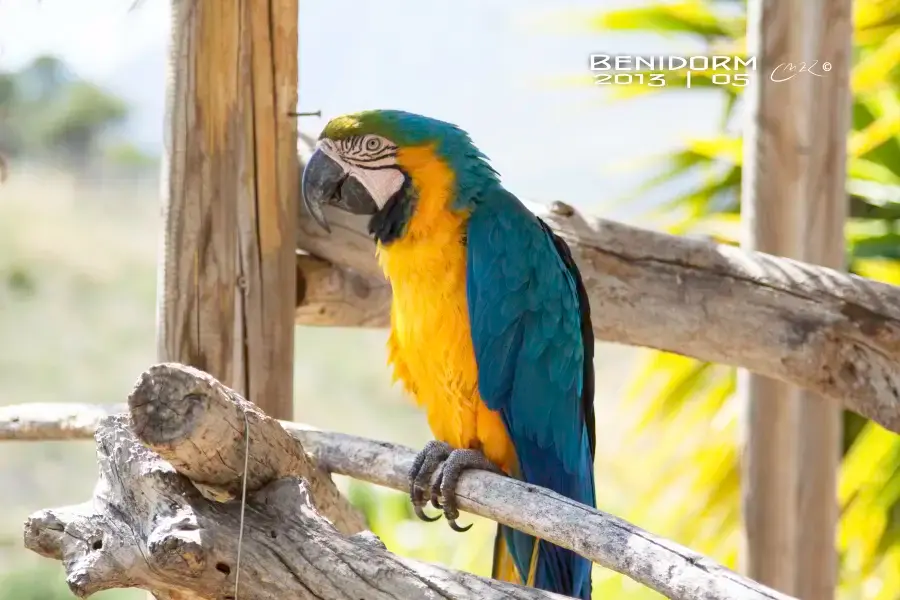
[326,182]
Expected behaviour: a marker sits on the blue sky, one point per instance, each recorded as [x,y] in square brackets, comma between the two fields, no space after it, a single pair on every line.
[487,65]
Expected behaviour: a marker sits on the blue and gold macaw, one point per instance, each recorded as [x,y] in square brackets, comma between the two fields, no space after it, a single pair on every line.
[490,324]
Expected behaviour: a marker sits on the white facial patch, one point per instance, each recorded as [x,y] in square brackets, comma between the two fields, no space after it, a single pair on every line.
[369,160]
[382,184]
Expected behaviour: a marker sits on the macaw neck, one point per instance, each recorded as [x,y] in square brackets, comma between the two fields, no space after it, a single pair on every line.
[434,190]
[430,244]
[421,206]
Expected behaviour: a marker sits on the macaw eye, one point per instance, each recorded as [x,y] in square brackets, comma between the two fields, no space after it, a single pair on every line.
[373,144]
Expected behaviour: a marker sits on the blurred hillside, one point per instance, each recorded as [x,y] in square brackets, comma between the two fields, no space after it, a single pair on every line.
[76,285]
[50,115]
[78,242]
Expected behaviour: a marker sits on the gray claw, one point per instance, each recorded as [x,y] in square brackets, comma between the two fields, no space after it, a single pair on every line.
[458,528]
[420,512]
[426,463]
[448,477]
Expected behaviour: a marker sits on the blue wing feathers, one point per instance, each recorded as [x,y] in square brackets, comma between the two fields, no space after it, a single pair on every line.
[527,310]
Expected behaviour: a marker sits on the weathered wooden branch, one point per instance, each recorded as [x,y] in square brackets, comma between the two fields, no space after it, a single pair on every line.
[148,527]
[773,211]
[52,421]
[226,266]
[664,566]
[332,295]
[832,333]
[197,424]
[820,422]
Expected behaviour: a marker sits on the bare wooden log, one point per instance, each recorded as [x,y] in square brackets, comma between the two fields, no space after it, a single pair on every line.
[833,333]
[51,421]
[147,527]
[197,424]
[820,430]
[64,421]
[226,273]
[664,566]
[773,211]
[327,294]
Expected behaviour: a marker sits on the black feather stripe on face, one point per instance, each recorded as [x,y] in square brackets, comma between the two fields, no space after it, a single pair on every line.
[389,224]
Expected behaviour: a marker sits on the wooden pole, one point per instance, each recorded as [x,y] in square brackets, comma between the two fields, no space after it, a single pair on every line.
[820,431]
[775,142]
[227,279]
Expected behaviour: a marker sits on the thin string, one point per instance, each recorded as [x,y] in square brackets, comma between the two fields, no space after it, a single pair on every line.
[237,568]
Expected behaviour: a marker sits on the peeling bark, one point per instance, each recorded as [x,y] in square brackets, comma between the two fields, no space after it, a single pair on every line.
[148,527]
[192,409]
[197,424]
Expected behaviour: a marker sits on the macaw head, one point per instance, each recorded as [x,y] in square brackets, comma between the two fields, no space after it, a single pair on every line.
[381,162]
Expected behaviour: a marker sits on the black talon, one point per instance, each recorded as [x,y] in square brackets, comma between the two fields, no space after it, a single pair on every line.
[452,514]
[447,478]
[420,512]
[426,463]
[456,527]
[416,494]
[436,491]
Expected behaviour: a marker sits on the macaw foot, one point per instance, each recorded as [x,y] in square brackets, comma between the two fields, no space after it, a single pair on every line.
[457,461]
[424,466]
[448,477]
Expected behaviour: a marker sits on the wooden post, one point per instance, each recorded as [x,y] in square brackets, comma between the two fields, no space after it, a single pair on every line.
[226,277]
[227,281]
[820,430]
[773,215]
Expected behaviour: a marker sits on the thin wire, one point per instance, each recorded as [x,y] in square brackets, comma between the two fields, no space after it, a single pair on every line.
[237,568]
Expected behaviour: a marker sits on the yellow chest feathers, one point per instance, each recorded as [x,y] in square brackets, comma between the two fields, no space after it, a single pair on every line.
[430,345]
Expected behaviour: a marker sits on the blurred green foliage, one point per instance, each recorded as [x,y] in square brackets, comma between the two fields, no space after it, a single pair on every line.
[43,583]
[688,406]
[49,113]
